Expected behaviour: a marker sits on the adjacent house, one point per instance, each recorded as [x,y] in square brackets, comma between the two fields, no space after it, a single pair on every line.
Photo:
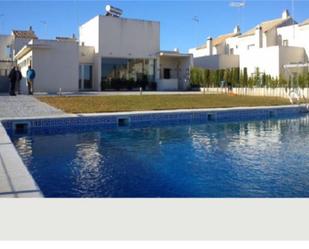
[269,47]
[9,46]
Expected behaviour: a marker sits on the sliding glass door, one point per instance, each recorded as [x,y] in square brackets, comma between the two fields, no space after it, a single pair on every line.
[85,77]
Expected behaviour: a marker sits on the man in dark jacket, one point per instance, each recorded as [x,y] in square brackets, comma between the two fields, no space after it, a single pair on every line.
[30,78]
[18,79]
[12,77]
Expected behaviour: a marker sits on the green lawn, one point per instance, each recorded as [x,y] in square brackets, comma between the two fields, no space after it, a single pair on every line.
[93,104]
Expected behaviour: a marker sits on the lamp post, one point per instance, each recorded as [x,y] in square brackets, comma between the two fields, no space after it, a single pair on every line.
[1,23]
[238,5]
[45,26]
[197,21]
[293,13]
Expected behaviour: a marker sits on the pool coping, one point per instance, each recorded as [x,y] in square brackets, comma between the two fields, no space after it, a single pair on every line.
[16,181]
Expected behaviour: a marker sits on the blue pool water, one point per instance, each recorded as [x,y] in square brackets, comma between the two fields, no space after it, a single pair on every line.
[266,158]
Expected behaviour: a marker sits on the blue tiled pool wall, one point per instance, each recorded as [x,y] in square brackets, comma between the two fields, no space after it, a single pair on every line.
[139,120]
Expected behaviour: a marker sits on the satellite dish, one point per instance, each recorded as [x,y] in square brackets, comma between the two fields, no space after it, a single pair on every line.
[238,4]
[113,11]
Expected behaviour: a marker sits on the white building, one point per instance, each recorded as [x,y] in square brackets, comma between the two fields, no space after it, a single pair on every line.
[115,47]
[267,47]
[9,46]
[55,62]
[110,48]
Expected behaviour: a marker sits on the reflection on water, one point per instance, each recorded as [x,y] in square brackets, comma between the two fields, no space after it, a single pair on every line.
[238,159]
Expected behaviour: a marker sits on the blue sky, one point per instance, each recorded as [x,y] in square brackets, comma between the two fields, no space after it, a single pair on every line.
[178,30]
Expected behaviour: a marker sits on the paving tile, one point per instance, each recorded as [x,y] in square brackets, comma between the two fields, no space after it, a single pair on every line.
[23,183]
[25,106]
[5,185]
[30,195]
[8,196]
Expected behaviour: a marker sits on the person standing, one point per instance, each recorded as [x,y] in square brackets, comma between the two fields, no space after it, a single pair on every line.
[12,77]
[18,79]
[30,78]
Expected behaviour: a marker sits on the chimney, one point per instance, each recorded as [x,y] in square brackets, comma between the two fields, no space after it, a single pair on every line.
[30,28]
[209,45]
[258,37]
[285,14]
[237,29]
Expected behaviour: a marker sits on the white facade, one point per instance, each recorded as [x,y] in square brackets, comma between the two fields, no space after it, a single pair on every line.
[5,47]
[113,37]
[268,46]
[177,67]
[136,43]
[55,63]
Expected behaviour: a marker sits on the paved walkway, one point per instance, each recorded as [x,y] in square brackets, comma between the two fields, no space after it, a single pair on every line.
[25,106]
[113,93]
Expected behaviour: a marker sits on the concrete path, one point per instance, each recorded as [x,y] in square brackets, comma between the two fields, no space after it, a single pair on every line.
[114,93]
[25,106]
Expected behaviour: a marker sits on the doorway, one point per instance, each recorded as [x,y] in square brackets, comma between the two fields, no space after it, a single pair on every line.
[85,77]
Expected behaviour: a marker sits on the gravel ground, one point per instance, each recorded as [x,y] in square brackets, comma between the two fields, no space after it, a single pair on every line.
[25,106]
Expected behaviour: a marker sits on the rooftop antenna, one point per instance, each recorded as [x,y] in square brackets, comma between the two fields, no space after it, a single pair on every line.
[197,21]
[239,5]
[293,16]
[2,26]
[45,26]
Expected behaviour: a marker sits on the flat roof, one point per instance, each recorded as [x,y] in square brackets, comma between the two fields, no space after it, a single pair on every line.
[296,65]
[27,48]
[173,54]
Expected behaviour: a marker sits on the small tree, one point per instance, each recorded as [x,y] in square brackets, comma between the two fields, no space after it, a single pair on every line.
[241,79]
[264,80]
[206,78]
[301,81]
[245,77]
[236,76]
[257,79]
[251,82]
[226,75]
[282,81]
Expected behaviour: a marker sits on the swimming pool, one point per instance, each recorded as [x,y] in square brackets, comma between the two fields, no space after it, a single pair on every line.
[262,158]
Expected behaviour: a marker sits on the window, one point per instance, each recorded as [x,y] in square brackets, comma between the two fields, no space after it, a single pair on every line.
[166,73]
[285,43]
[8,51]
[231,50]
[122,68]
[85,77]
[251,46]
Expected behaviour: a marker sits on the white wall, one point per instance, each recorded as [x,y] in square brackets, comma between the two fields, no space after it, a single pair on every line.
[266,59]
[89,33]
[217,61]
[296,35]
[290,55]
[270,60]
[5,40]
[180,67]
[128,38]
[18,44]
[56,67]
[86,54]
[167,85]
[199,52]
